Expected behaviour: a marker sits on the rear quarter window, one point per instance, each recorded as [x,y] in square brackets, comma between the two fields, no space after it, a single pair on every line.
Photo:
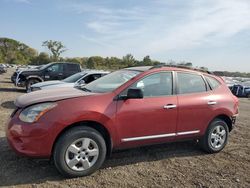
[214,83]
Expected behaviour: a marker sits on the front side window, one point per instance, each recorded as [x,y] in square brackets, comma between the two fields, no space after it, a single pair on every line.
[55,68]
[190,83]
[91,78]
[159,84]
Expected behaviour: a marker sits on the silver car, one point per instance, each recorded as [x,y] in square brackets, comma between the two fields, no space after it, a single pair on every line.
[76,80]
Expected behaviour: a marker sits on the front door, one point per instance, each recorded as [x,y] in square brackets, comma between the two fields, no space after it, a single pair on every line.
[54,72]
[152,118]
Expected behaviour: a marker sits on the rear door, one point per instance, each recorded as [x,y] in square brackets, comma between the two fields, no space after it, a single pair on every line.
[54,72]
[70,69]
[195,107]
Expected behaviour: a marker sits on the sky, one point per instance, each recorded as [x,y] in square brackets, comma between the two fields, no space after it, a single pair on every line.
[210,33]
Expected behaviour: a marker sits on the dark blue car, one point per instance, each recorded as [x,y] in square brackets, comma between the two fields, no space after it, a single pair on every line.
[241,90]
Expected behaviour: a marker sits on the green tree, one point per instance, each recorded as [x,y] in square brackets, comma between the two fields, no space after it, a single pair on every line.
[90,64]
[128,60]
[15,52]
[42,58]
[84,61]
[56,48]
[147,61]
[1,57]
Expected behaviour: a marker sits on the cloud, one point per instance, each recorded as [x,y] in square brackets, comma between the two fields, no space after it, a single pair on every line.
[159,26]
[210,24]
[22,1]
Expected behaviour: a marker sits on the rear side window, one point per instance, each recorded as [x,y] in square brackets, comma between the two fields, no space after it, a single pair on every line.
[72,68]
[212,82]
[190,83]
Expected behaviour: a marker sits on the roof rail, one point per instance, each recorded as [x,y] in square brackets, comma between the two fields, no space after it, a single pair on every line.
[183,67]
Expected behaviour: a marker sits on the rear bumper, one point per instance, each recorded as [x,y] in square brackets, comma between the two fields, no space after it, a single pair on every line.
[234,119]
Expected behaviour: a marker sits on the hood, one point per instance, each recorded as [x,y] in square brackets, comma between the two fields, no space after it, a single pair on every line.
[28,71]
[59,85]
[49,96]
[47,83]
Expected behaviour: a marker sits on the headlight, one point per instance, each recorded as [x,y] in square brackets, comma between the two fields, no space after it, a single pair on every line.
[33,113]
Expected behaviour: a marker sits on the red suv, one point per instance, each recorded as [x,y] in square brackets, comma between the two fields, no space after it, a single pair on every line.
[131,107]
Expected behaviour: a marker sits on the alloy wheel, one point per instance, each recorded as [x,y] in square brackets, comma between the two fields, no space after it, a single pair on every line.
[82,154]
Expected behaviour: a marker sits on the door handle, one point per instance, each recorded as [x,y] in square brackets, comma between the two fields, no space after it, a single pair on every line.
[60,74]
[211,102]
[169,106]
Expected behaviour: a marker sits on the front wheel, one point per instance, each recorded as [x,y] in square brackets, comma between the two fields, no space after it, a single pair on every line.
[29,83]
[216,136]
[79,152]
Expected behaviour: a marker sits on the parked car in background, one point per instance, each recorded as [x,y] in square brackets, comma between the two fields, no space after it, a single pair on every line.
[127,108]
[51,71]
[241,90]
[76,80]
[3,68]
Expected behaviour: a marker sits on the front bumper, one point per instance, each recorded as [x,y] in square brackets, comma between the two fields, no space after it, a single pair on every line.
[33,140]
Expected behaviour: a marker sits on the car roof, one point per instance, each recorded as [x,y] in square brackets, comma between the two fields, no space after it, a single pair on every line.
[168,68]
[139,68]
[91,71]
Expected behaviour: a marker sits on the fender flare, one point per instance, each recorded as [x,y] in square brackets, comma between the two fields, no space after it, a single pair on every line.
[34,77]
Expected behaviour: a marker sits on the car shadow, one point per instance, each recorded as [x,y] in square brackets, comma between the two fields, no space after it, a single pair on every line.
[5,82]
[8,105]
[18,170]
[12,90]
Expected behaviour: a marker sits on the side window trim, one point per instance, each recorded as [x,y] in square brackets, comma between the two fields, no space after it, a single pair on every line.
[177,83]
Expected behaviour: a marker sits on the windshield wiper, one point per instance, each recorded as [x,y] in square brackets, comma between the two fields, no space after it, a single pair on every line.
[85,89]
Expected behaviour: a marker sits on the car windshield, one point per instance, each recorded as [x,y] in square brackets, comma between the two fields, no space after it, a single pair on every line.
[74,77]
[44,66]
[111,81]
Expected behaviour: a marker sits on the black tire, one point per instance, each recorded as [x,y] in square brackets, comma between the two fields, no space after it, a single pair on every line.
[67,139]
[29,83]
[208,143]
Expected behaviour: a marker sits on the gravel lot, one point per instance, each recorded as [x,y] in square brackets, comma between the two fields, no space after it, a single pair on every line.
[168,165]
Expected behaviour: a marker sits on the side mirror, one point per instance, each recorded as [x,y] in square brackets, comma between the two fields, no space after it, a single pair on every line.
[81,82]
[134,94]
[48,70]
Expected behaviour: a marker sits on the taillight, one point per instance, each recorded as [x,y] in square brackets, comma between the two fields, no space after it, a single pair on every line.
[236,104]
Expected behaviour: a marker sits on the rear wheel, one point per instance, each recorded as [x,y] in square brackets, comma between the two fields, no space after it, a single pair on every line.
[79,152]
[216,136]
[29,83]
